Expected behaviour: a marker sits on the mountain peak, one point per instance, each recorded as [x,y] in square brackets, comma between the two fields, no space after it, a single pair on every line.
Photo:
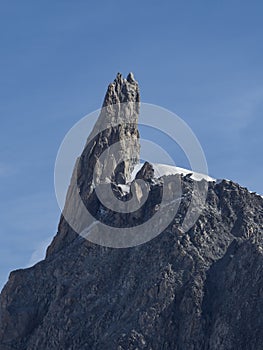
[130,78]
[195,289]
[122,90]
[111,152]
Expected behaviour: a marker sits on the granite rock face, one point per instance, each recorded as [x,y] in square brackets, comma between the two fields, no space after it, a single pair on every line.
[117,125]
[195,290]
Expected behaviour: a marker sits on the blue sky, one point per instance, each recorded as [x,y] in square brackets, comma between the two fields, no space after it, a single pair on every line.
[200,59]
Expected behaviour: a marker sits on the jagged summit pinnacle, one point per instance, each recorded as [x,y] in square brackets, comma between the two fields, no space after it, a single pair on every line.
[130,78]
[122,90]
[117,124]
[119,114]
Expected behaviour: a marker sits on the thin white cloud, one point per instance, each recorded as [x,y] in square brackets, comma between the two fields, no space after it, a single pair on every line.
[39,252]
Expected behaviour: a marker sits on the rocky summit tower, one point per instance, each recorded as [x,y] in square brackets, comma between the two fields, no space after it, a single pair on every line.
[194,290]
[110,154]
[117,123]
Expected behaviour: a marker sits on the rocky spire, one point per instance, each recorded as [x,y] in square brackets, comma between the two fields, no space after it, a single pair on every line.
[117,124]
[122,90]
[110,154]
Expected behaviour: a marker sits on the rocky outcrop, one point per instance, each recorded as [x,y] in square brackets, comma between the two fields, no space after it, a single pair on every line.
[110,154]
[198,290]
[146,172]
[117,123]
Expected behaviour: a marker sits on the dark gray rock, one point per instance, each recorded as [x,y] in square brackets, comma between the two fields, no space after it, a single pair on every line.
[116,124]
[199,290]
[146,172]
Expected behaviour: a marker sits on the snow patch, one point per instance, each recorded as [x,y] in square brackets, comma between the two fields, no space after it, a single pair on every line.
[124,188]
[164,170]
[257,194]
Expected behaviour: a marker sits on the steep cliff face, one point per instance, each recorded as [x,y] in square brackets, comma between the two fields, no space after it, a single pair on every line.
[117,125]
[196,290]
